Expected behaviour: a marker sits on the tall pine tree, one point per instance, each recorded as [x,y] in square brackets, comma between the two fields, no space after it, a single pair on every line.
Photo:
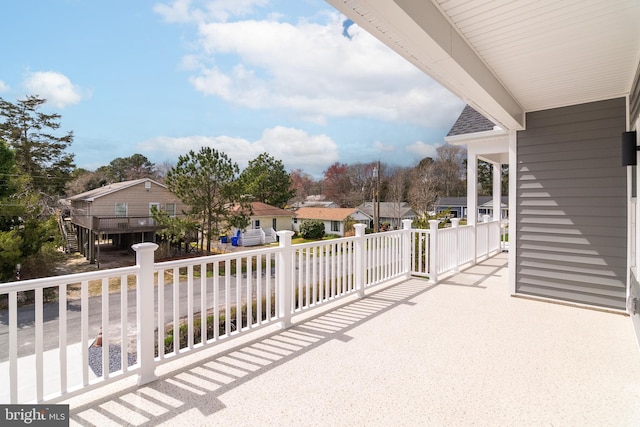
[39,152]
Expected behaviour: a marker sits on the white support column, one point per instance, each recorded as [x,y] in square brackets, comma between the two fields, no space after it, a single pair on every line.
[433,251]
[359,258]
[472,188]
[497,191]
[513,182]
[472,200]
[284,267]
[146,324]
[406,247]
[456,245]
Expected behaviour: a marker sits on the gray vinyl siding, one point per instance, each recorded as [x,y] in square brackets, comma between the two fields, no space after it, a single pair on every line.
[634,97]
[572,206]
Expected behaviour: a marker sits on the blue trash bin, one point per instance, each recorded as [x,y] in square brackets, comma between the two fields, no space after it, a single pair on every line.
[234,241]
[224,239]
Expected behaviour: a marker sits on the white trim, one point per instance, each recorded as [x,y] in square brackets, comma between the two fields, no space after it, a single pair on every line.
[472,187]
[513,211]
[467,138]
[497,191]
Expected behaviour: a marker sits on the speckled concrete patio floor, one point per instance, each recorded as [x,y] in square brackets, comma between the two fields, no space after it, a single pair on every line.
[462,352]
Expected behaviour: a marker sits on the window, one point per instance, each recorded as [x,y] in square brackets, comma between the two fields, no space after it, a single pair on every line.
[335,226]
[170,208]
[274,223]
[121,209]
[256,224]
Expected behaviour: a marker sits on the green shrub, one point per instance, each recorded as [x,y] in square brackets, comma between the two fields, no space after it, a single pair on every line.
[183,330]
[312,229]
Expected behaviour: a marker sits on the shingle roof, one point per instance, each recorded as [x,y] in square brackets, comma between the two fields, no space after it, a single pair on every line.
[263,209]
[389,209]
[470,121]
[329,214]
[91,195]
[450,202]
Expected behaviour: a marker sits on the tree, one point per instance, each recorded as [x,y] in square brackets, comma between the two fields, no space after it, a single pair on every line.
[133,167]
[362,182]
[485,178]
[267,181]
[207,182]
[450,169]
[302,185]
[10,253]
[336,184]
[397,191]
[38,152]
[174,230]
[423,191]
[120,169]
[7,171]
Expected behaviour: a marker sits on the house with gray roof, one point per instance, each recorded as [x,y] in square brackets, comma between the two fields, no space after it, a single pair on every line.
[391,213]
[457,206]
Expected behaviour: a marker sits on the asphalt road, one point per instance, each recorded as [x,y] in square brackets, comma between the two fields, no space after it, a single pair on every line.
[26,315]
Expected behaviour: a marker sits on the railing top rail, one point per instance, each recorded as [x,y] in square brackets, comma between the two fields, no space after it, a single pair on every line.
[322,242]
[381,234]
[212,258]
[44,282]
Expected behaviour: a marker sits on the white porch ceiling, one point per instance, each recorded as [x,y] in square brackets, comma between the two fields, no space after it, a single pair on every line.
[507,57]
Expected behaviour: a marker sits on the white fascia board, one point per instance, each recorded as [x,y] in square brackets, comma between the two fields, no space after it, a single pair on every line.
[477,136]
[419,32]
[491,146]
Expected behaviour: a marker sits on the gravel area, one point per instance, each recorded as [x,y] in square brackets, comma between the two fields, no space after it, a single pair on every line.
[115,351]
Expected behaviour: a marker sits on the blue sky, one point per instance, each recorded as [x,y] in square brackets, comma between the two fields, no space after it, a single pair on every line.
[243,76]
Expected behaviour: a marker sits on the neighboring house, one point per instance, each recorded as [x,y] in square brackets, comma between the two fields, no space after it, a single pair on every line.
[119,213]
[334,219]
[458,206]
[315,201]
[264,222]
[560,85]
[391,213]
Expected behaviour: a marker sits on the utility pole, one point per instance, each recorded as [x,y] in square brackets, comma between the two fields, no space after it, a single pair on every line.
[376,198]
[375,194]
[378,195]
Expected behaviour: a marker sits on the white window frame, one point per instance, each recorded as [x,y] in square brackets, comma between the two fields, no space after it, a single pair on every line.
[118,209]
[168,211]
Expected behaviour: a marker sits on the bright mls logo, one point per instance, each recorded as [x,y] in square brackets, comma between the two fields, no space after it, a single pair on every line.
[36,415]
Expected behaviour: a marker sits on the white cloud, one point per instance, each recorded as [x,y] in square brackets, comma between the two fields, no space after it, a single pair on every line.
[382,147]
[295,147]
[309,68]
[55,87]
[423,149]
[3,86]
[198,11]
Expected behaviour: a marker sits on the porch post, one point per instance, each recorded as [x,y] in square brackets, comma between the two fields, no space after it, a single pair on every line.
[407,250]
[433,250]
[472,188]
[145,311]
[456,243]
[359,248]
[497,191]
[472,200]
[284,267]
[92,247]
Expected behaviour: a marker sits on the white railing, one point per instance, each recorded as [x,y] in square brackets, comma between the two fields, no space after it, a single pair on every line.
[151,313]
[437,251]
